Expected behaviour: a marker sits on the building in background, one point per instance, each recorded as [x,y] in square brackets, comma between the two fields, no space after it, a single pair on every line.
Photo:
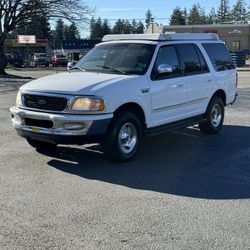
[41,46]
[75,49]
[236,36]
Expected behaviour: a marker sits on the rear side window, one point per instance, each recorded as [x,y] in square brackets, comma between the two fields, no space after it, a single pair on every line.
[190,59]
[219,56]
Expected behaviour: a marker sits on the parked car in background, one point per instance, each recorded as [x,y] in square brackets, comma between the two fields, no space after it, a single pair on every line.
[14,59]
[59,60]
[40,59]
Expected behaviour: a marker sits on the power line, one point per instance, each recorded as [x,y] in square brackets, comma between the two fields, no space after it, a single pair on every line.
[131,19]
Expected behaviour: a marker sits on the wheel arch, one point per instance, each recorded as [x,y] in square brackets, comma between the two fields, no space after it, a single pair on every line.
[134,108]
[222,94]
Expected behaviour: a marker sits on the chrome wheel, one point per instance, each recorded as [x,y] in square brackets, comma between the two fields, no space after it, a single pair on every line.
[216,115]
[127,138]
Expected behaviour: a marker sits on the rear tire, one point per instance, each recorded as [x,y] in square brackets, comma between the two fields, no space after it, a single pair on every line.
[123,138]
[40,145]
[214,117]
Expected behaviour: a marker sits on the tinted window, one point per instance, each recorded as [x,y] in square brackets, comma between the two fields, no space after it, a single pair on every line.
[202,61]
[190,58]
[167,55]
[219,56]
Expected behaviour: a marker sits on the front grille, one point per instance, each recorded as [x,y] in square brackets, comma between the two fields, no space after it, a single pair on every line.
[50,103]
[38,123]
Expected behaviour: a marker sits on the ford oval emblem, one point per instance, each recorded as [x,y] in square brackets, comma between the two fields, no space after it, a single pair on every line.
[41,102]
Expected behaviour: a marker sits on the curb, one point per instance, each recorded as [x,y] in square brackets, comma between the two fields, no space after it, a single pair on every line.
[10,80]
[243,69]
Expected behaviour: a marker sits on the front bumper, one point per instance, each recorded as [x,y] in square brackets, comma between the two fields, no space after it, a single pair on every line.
[65,129]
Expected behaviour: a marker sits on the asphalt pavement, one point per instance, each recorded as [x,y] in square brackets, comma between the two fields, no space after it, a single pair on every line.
[184,190]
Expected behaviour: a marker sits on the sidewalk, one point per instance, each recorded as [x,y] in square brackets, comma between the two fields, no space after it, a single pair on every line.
[243,69]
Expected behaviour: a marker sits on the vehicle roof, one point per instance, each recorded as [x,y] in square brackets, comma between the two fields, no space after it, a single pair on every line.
[163,37]
[128,41]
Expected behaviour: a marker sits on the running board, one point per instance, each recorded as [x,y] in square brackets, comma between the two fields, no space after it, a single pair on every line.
[174,126]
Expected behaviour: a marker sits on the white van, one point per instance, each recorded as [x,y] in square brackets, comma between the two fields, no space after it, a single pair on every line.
[127,87]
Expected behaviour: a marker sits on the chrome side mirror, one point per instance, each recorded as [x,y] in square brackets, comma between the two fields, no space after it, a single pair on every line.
[165,69]
[70,65]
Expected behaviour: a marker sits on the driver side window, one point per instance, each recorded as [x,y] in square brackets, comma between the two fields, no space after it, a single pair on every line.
[167,55]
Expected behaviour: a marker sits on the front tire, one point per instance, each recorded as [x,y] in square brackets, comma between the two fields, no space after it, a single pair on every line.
[123,138]
[214,116]
[40,145]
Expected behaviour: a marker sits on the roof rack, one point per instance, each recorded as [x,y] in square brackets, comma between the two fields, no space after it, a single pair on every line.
[162,37]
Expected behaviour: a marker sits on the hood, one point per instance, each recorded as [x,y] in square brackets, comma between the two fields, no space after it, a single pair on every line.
[75,83]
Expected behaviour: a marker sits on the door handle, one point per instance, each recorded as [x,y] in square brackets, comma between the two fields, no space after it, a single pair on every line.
[209,80]
[178,85]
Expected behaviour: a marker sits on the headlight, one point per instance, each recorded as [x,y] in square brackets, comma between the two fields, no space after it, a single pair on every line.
[19,99]
[88,104]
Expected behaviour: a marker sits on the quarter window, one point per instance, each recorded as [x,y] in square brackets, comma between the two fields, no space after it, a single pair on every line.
[219,56]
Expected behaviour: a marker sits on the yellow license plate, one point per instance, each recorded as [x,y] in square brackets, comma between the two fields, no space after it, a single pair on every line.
[36,129]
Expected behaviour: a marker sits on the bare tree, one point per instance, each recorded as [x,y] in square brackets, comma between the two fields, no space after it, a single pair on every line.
[16,13]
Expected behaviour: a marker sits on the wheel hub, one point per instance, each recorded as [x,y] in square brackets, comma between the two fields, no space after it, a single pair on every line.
[216,115]
[127,138]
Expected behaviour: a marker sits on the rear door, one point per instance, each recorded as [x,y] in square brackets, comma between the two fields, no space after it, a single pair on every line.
[198,77]
[224,75]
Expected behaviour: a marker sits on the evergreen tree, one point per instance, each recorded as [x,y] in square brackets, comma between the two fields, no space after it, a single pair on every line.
[71,32]
[12,35]
[149,17]
[177,17]
[38,26]
[66,32]
[127,29]
[211,18]
[105,28]
[185,15]
[59,33]
[223,13]
[118,27]
[239,13]
[196,15]
[96,28]
[140,28]
[134,26]
[92,28]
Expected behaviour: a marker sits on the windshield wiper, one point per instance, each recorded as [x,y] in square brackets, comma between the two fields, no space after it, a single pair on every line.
[114,69]
[75,67]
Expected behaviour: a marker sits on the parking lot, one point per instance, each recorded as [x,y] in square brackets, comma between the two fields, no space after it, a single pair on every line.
[184,190]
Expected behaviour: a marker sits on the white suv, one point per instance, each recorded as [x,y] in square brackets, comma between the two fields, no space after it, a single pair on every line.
[127,87]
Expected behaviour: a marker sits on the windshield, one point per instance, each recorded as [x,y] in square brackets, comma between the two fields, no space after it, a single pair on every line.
[122,58]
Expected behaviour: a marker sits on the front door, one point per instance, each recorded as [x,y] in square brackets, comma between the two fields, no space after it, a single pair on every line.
[168,90]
